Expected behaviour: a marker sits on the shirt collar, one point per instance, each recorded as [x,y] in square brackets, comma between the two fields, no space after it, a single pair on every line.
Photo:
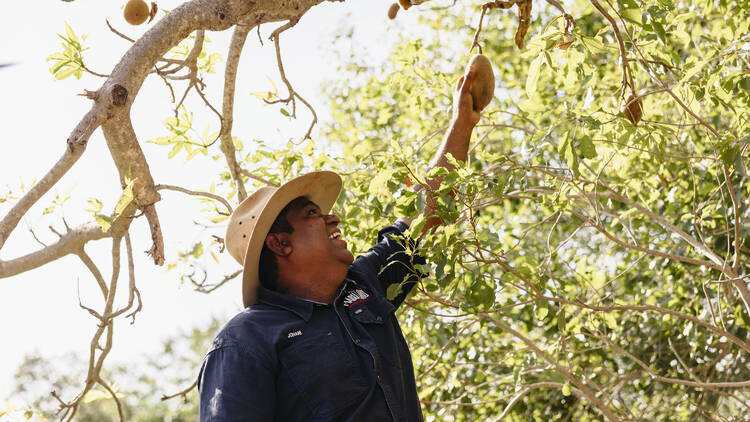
[299,306]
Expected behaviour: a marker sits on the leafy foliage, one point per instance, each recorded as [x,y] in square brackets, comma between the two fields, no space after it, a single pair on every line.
[595,239]
[70,61]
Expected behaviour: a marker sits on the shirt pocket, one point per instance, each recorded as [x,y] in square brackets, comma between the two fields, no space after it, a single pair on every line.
[325,375]
[376,316]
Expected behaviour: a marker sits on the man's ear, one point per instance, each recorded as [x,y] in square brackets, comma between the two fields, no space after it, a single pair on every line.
[279,244]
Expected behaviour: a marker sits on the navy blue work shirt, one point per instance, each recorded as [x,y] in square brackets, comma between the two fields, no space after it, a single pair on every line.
[289,359]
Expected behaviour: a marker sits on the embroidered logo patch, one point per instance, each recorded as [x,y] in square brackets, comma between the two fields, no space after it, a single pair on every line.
[294,334]
[354,297]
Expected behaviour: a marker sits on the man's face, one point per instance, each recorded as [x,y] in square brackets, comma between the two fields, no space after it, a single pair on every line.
[316,240]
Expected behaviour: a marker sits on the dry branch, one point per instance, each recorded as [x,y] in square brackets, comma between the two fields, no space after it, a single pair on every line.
[292,93]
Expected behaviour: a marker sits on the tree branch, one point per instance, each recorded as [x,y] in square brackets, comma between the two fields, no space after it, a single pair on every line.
[76,145]
[292,93]
[230,78]
[71,243]
[198,193]
[564,371]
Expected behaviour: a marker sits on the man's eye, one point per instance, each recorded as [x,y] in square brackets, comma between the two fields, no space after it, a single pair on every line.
[312,211]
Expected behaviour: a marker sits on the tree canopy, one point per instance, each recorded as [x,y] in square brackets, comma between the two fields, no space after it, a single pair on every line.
[594,260]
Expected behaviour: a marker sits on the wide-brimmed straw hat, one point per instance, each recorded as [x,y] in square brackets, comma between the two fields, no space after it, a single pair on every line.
[251,220]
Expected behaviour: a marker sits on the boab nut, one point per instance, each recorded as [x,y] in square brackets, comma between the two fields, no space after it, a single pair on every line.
[483,84]
[136,12]
[633,110]
[393,10]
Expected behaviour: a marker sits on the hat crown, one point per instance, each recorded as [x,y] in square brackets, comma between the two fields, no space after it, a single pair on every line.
[243,221]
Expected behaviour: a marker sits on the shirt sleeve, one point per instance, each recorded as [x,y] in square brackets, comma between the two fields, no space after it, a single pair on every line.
[393,260]
[235,386]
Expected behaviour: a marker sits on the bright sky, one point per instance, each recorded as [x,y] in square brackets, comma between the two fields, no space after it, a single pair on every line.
[39,309]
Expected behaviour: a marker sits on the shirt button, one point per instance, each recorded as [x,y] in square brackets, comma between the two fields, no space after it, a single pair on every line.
[378,319]
[379,378]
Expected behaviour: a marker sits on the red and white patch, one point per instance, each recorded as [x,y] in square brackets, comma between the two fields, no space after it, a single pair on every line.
[354,297]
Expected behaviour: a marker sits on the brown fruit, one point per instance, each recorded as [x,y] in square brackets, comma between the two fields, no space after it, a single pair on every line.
[393,10]
[136,12]
[483,84]
[633,109]
[405,4]
[563,45]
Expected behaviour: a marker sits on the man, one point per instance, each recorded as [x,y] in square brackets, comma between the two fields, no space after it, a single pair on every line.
[318,340]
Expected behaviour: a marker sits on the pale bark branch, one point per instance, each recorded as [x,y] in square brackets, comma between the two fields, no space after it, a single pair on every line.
[86,259]
[230,78]
[71,243]
[198,193]
[76,144]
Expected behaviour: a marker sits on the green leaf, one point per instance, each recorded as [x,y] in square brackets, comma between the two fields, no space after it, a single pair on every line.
[175,149]
[659,30]
[565,149]
[393,291]
[197,250]
[533,76]
[379,184]
[728,155]
[65,73]
[532,105]
[610,320]
[666,4]
[561,319]
[541,309]
[417,225]
[284,112]
[566,389]
[96,205]
[481,294]
[104,221]
[593,45]
[694,70]
[633,16]
[125,199]
[586,145]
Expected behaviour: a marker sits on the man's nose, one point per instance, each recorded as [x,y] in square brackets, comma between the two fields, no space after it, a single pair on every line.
[332,219]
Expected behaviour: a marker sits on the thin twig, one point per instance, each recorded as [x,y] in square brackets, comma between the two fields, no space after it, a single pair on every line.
[111,28]
[182,393]
[197,193]
[292,93]
[258,178]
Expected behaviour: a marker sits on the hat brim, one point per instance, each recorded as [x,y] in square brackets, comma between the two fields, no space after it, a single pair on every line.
[320,187]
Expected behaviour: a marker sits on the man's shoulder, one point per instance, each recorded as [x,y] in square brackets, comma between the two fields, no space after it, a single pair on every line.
[255,328]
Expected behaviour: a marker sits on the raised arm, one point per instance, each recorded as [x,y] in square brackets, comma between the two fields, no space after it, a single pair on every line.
[455,142]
